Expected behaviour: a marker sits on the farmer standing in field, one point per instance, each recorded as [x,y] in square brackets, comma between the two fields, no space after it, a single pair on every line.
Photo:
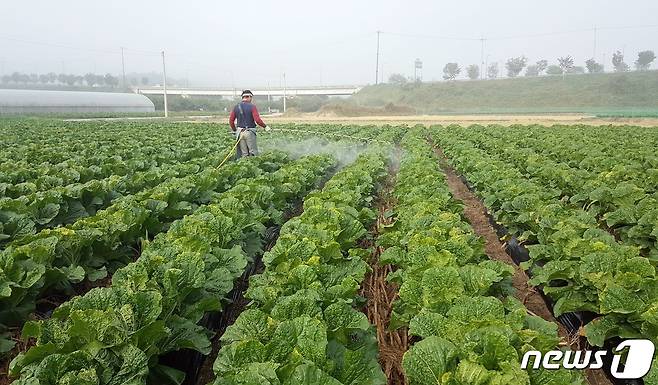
[247,115]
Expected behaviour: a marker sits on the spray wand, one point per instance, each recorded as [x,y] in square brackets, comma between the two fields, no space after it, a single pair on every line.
[228,155]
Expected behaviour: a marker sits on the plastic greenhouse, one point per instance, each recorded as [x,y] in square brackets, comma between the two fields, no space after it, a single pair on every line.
[16,102]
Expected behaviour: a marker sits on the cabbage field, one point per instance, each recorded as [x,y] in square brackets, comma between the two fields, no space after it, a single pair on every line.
[130,253]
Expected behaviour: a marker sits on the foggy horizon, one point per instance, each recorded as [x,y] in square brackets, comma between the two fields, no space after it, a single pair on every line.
[249,44]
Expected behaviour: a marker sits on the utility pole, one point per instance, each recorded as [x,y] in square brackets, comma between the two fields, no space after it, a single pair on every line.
[284,92]
[123,68]
[383,77]
[164,74]
[482,58]
[595,37]
[269,97]
[377,62]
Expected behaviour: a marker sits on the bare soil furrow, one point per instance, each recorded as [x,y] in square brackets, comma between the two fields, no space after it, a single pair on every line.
[380,294]
[476,214]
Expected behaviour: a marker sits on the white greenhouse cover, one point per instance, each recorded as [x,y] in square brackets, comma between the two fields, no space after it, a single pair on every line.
[49,101]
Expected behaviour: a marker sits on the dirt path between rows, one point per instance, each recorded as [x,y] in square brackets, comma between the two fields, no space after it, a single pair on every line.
[380,294]
[476,214]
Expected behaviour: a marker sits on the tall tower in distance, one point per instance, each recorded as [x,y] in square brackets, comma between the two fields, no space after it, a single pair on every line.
[418,70]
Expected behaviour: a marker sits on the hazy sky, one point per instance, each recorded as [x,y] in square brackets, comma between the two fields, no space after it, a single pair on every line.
[249,43]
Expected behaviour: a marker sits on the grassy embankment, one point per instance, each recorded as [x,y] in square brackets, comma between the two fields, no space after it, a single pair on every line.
[615,95]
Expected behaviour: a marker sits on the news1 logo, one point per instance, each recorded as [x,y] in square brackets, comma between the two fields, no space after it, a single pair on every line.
[638,359]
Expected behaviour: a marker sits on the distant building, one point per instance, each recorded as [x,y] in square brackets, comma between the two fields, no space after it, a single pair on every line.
[19,102]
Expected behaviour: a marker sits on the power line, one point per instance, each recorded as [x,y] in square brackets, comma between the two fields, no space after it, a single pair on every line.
[437,37]
[315,45]
[631,27]
[566,32]
[312,43]
[78,48]
[143,52]
[523,36]
[543,34]
[347,39]
[25,41]
[199,61]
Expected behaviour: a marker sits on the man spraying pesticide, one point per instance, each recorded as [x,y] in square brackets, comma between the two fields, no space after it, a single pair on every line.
[247,116]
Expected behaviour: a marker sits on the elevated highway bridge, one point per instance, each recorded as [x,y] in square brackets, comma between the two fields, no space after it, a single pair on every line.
[234,92]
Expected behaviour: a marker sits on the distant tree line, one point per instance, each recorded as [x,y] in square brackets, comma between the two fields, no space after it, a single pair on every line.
[564,65]
[53,79]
